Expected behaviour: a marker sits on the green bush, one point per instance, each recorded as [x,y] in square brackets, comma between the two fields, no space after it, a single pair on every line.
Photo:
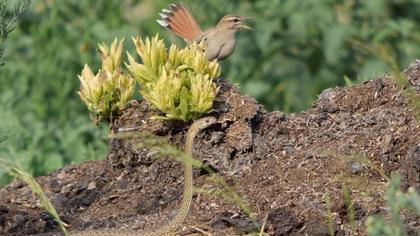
[107,92]
[178,82]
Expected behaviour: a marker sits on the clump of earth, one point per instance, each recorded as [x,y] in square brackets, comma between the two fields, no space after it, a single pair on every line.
[282,169]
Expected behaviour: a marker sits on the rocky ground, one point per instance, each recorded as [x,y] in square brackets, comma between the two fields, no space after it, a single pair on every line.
[281,165]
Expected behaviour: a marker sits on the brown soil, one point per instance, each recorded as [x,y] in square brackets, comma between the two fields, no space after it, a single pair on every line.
[282,165]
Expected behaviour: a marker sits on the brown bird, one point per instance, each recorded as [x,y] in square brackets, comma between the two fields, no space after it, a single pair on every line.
[220,40]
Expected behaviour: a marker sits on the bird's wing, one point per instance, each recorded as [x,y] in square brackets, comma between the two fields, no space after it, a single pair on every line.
[180,21]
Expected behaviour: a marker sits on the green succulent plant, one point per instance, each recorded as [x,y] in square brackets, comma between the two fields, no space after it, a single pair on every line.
[107,92]
[178,82]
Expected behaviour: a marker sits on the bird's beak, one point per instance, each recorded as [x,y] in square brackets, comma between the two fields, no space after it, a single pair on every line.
[243,25]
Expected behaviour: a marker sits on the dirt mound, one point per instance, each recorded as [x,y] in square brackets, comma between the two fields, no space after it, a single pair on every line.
[281,165]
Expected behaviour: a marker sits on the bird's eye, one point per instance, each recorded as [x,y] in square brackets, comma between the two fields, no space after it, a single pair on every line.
[236,20]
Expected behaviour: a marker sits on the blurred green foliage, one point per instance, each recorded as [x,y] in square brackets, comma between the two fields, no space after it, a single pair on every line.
[397,202]
[298,48]
[301,47]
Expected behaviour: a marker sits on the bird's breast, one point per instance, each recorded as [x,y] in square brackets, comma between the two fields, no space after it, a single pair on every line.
[220,46]
[227,49]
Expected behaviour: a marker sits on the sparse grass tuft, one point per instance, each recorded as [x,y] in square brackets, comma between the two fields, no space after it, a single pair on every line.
[24,176]
[330,216]
[366,161]
[351,214]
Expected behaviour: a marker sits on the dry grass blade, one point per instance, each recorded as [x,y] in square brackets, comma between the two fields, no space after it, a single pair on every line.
[263,225]
[24,176]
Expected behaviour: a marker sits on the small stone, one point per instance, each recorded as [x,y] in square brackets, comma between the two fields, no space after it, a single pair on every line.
[356,167]
[92,185]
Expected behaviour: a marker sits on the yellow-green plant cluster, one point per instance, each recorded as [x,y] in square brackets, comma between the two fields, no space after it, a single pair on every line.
[178,82]
[108,91]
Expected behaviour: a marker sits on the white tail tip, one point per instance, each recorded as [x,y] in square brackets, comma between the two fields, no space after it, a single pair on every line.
[162,23]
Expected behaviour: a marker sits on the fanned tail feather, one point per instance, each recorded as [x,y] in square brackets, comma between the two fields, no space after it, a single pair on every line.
[180,21]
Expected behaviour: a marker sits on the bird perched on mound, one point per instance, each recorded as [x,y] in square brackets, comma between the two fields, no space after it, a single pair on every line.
[220,39]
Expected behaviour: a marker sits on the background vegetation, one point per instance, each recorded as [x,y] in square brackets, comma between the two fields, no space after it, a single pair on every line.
[298,48]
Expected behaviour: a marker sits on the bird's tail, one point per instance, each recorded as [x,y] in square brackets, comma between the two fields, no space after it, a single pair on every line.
[180,21]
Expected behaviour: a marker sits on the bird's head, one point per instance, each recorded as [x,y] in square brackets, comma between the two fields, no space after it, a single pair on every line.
[234,22]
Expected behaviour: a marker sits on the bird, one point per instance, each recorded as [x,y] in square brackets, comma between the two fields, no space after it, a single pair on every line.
[220,40]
